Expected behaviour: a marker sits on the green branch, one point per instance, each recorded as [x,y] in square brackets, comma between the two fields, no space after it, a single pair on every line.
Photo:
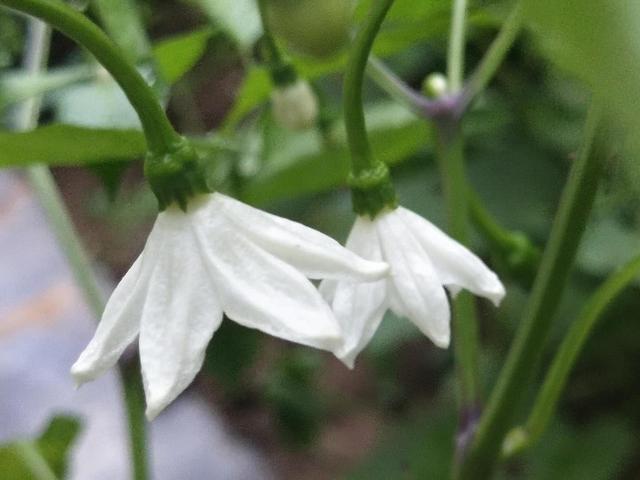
[566,357]
[455,55]
[571,219]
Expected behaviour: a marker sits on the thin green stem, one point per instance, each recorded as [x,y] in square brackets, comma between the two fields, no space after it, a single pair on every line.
[397,89]
[569,350]
[450,155]
[26,117]
[575,206]
[161,137]
[361,157]
[455,55]
[496,54]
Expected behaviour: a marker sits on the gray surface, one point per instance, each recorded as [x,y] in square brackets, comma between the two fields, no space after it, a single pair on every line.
[43,327]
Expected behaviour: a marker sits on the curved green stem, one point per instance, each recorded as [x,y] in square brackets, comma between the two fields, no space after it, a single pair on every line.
[455,55]
[361,156]
[568,353]
[495,55]
[371,187]
[161,137]
[575,206]
[27,117]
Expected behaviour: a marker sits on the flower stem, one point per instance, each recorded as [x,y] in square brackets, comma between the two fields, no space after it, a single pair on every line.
[160,135]
[575,206]
[450,156]
[495,55]
[361,156]
[455,55]
[371,187]
[27,117]
[568,352]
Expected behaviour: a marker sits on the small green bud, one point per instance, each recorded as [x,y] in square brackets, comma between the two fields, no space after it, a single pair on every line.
[295,106]
[177,175]
[435,85]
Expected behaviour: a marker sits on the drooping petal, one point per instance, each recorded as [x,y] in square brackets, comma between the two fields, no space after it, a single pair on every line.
[180,316]
[455,264]
[417,292]
[120,321]
[258,290]
[359,307]
[313,253]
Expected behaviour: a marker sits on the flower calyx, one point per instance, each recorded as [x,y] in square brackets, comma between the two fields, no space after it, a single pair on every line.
[372,191]
[176,175]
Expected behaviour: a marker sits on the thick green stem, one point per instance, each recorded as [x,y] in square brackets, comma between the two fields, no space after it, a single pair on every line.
[450,155]
[26,118]
[371,187]
[160,135]
[455,55]
[575,207]
[569,350]
[495,55]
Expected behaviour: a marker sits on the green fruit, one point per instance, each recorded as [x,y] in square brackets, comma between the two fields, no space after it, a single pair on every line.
[318,28]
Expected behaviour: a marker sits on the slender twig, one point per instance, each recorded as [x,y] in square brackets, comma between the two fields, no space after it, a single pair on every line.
[494,57]
[455,55]
[564,360]
[575,207]
[26,117]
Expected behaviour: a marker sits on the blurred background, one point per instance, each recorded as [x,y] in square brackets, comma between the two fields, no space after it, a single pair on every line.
[263,408]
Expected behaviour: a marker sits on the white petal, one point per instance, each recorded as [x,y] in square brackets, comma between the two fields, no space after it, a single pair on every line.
[260,291]
[180,316]
[359,307]
[120,321]
[315,254]
[417,292]
[455,264]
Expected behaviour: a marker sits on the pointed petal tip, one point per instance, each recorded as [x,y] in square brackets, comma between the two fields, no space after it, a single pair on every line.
[442,342]
[496,293]
[82,375]
[348,359]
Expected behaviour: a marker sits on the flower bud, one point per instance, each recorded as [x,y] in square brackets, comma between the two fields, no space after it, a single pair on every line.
[295,106]
[435,85]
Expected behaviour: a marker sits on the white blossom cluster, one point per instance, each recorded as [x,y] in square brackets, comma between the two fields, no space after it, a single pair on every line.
[225,257]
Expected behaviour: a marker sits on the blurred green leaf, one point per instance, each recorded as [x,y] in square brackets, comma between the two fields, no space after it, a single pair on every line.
[178,54]
[45,458]
[598,41]
[51,145]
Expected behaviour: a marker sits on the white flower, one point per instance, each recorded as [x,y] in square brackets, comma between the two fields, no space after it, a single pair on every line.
[295,106]
[220,256]
[422,259]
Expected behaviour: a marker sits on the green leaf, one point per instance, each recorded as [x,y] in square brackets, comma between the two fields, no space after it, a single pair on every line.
[45,458]
[66,145]
[178,54]
[598,41]
[56,440]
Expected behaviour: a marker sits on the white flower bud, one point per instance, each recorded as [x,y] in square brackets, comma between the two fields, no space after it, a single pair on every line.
[295,106]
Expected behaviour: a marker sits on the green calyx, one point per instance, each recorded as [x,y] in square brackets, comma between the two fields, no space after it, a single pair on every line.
[372,191]
[176,175]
